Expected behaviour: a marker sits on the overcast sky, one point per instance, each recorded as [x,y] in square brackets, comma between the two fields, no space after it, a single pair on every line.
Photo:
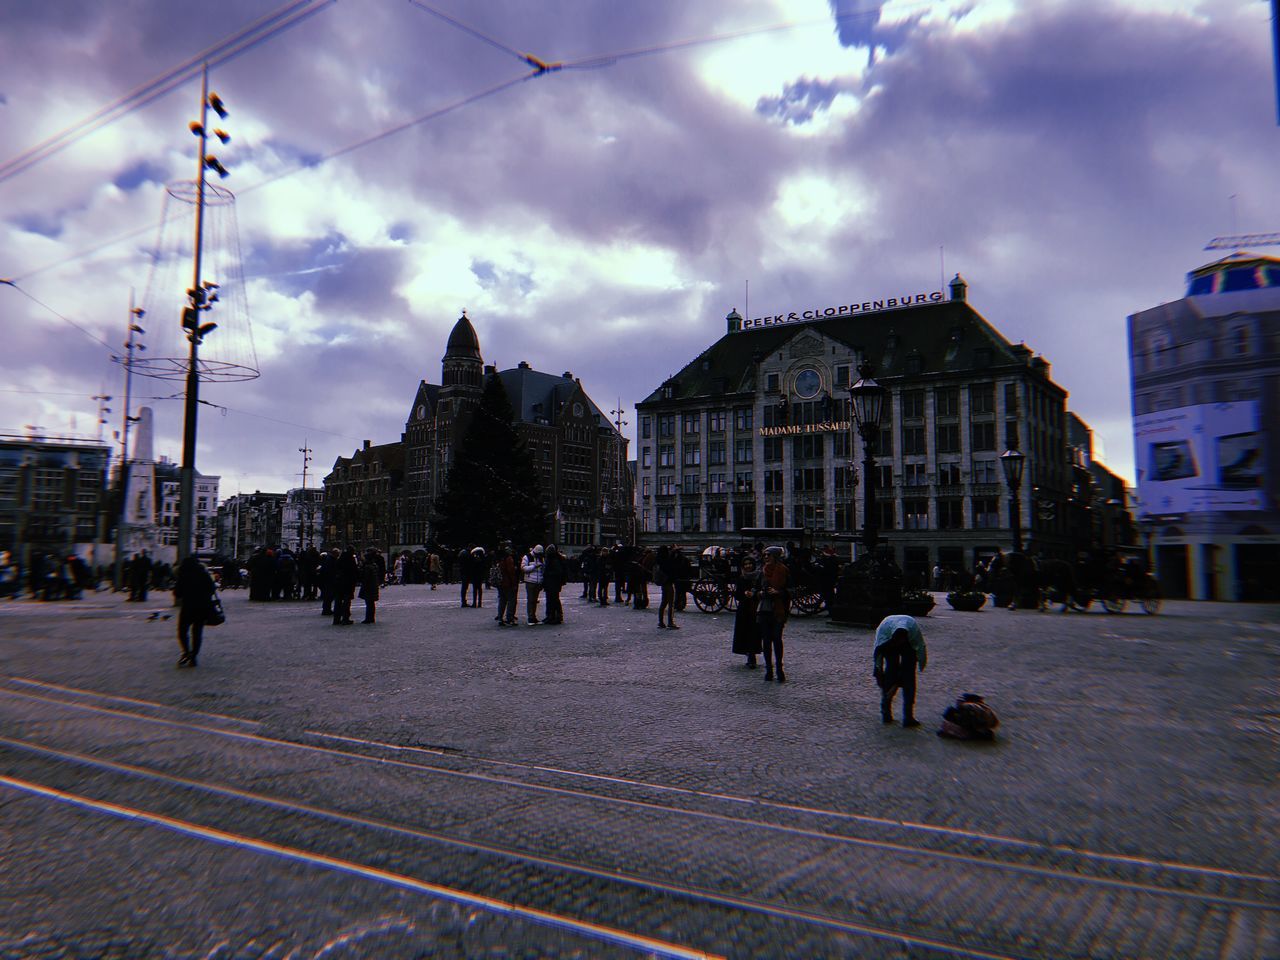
[1071,159]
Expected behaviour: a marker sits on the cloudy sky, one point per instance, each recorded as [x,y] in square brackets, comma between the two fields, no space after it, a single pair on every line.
[1070,159]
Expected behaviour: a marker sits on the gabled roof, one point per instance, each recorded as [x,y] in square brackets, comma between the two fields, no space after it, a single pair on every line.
[945,336]
[540,396]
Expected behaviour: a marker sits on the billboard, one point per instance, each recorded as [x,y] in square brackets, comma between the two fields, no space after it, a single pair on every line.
[1200,458]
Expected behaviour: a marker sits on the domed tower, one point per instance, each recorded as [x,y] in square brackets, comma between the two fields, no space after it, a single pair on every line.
[462,365]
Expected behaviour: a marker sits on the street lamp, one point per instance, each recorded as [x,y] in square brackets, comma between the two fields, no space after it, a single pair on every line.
[867,399]
[1012,462]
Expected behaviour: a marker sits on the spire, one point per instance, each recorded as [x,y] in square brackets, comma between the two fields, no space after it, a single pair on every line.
[463,342]
[462,364]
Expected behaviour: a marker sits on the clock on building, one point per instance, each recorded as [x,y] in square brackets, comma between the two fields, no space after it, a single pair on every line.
[808,383]
[577,409]
[421,411]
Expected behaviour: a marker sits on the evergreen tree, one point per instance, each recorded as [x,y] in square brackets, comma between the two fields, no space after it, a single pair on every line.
[492,492]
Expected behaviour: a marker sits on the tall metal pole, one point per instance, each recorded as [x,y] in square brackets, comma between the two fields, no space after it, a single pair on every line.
[122,520]
[870,520]
[187,478]
[1015,516]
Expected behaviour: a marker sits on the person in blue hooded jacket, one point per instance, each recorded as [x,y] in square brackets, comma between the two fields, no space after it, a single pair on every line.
[899,650]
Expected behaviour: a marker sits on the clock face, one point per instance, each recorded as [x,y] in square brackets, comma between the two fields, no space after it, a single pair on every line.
[577,409]
[421,412]
[808,384]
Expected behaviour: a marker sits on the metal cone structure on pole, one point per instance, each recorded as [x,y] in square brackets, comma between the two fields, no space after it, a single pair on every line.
[232,356]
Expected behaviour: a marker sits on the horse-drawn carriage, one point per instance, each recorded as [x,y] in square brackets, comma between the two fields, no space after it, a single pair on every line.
[719,569]
[1113,579]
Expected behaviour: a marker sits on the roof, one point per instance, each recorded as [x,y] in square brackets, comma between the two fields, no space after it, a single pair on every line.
[539,396]
[463,341]
[945,336]
[1239,271]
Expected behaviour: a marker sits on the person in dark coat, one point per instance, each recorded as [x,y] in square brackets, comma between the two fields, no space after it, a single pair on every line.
[477,573]
[465,563]
[746,632]
[139,577]
[604,575]
[193,590]
[326,577]
[346,576]
[772,583]
[370,579]
[590,568]
[553,578]
[664,578]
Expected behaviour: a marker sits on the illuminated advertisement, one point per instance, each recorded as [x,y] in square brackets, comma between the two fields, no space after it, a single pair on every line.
[1201,458]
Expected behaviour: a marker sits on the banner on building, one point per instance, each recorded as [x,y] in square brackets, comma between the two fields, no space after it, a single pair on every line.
[1200,458]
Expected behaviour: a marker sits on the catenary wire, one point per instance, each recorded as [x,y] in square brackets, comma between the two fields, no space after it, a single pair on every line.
[221,53]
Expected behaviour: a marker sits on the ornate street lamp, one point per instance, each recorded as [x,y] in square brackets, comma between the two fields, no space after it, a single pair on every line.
[1012,462]
[867,399]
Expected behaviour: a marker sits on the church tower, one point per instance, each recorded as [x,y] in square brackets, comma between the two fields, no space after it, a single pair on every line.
[462,365]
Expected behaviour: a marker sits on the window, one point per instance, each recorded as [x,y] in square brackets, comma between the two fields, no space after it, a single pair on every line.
[692,456]
[646,428]
[948,437]
[842,376]
[666,455]
[914,475]
[841,445]
[1011,400]
[646,520]
[742,418]
[717,518]
[742,451]
[982,398]
[949,474]
[716,421]
[743,481]
[912,440]
[884,478]
[985,471]
[690,519]
[885,447]
[716,452]
[808,479]
[645,488]
[986,512]
[845,479]
[646,457]
[912,404]
[666,519]
[692,424]
[984,436]
[744,515]
[946,401]
[950,513]
[667,425]
[915,514]
[809,515]
[690,485]
[666,485]
[773,481]
[772,449]
[888,514]
[772,383]
[810,446]
[716,483]
[773,515]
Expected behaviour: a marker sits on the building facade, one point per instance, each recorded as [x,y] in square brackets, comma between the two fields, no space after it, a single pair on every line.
[1205,375]
[757,432]
[301,518]
[168,487]
[249,521]
[53,497]
[580,457]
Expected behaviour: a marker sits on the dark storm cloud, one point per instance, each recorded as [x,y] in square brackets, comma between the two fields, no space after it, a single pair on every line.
[858,25]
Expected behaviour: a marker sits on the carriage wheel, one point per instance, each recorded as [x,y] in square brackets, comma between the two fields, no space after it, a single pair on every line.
[708,596]
[730,597]
[1152,600]
[1114,604]
[806,604]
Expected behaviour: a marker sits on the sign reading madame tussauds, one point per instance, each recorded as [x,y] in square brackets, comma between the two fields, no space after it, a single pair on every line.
[867,306]
[827,426]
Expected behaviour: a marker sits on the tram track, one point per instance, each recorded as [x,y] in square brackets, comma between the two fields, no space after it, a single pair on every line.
[815,871]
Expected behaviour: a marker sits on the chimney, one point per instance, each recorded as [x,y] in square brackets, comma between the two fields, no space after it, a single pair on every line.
[523,365]
[366,444]
[490,369]
[568,375]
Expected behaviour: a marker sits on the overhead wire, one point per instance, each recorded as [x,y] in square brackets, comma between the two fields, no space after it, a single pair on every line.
[241,42]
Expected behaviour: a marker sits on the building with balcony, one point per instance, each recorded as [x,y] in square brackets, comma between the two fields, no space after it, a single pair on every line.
[168,488]
[1205,376]
[756,432]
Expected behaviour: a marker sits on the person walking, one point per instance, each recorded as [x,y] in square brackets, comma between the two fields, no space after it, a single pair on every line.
[531,567]
[370,579]
[508,588]
[554,573]
[772,610]
[589,564]
[464,565]
[346,576]
[477,570]
[326,577]
[746,632]
[604,575]
[899,650]
[193,591]
[664,577]
[433,569]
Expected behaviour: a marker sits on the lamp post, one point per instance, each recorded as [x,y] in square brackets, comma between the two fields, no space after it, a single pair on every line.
[1012,462]
[867,399]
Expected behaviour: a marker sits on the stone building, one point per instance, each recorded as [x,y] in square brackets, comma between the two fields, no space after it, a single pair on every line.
[52,497]
[249,521]
[168,488]
[579,454]
[756,432]
[1205,372]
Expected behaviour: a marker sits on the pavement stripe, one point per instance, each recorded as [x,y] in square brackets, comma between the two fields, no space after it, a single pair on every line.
[42,684]
[594,931]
